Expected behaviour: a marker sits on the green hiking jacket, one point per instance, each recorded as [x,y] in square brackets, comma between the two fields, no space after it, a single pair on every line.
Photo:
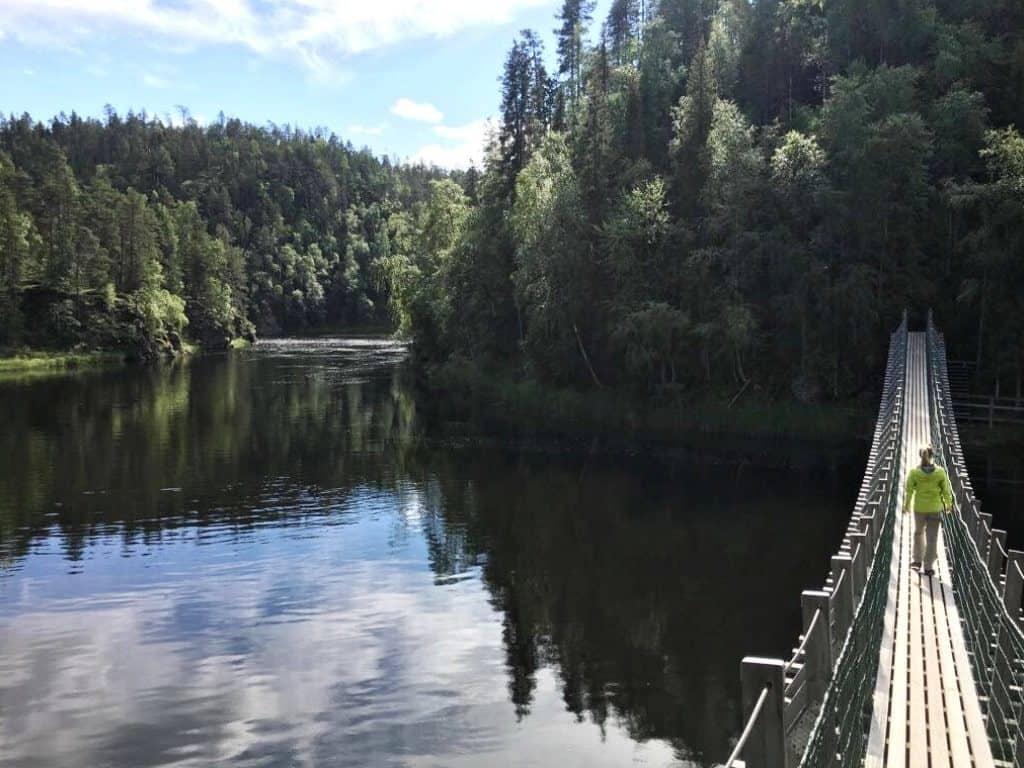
[928,490]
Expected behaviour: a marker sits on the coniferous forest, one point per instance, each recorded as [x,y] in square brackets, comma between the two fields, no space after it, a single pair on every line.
[705,195]
[130,233]
[684,197]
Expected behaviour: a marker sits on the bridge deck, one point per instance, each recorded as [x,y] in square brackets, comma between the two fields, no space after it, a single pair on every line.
[926,711]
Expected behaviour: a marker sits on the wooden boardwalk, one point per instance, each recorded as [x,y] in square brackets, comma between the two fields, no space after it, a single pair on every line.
[926,710]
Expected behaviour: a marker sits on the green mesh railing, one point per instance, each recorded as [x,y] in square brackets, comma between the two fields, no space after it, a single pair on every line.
[814,709]
[987,580]
[839,736]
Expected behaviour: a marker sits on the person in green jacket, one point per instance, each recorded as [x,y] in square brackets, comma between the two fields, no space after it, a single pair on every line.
[928,490]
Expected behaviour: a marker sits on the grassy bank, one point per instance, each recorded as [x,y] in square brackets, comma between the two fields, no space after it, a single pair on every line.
[41,362]
[498,401]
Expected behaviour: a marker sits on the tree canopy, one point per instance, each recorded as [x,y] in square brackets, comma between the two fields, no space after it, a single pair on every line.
[726,195]
[699,196]
[131,232]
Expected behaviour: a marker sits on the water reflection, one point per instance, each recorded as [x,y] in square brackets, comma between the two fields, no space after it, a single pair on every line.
[255,560]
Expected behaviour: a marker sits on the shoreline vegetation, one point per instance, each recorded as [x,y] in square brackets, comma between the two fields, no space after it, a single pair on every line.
[723,203]
[41,361]
[129,234]
[503,403]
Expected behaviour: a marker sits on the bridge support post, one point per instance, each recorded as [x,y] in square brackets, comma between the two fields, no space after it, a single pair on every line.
[1018,748]
[969,514]
[1013,589]
[867,527]
[982,537]
[996,547]
[1000,705]
[818,660]
[876,515]
[842,596]
[766,747]
[860,553]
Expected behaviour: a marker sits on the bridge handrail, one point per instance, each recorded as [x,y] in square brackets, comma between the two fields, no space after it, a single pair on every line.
[749,729]
[792,705]
[987,578]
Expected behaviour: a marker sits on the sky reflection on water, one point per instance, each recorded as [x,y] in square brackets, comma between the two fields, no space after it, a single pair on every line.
[253,560]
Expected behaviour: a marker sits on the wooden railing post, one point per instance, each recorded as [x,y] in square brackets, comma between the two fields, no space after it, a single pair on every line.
[1000,707]
[984,532]
[996,547]
[969,514]
[1018,748]
[842,596]
[818,658]
[867,527]
[860,557]
[876,521]
[766,747]
[1013,589]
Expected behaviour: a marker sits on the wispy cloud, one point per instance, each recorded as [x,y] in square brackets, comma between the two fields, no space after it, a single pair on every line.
[318,33]
[28,71]
[474,131]
[421,112]
[467,149]
[154,81]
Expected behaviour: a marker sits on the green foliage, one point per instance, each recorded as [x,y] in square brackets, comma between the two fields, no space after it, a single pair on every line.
[994,289]
[717,197]
[117,232]
[737,197]
[554,271]
[415,267]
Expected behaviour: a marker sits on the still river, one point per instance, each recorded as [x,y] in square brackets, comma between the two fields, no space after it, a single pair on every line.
[261,560]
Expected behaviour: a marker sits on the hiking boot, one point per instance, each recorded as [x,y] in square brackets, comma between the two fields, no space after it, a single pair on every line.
[916,565]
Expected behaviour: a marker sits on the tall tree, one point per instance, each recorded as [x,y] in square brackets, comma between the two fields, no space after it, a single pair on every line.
[575,16]
[525,104]
[622,29]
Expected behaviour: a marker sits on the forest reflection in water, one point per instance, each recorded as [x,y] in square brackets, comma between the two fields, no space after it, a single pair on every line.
[258,559]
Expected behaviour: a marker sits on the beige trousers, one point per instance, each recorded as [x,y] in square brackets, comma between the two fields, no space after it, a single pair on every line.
[926,538]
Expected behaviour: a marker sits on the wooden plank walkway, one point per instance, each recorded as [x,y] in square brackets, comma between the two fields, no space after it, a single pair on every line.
[926,709]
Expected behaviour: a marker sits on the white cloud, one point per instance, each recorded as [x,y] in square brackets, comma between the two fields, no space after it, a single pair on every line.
[367,130]
[475,131]
[419,111]
[317,33]
[154,81]
[28,71]
[467,150]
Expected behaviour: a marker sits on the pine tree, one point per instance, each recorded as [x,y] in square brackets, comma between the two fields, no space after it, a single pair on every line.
[623,30]
[575,16]
[526,104]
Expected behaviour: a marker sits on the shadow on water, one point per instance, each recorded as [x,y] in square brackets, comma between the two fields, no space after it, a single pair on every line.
[258,559]
[995,462]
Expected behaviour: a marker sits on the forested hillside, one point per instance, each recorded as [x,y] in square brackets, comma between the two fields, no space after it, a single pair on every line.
[131,233]
[708,196]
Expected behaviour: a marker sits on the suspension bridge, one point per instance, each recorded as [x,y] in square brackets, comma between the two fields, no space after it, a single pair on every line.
[894,668]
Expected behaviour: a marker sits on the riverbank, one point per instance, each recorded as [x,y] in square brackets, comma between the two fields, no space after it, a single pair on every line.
[41,362]
[496,402]
[36,361]
[29,361]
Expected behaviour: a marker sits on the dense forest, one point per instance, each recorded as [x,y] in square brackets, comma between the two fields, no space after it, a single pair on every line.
[712,196]
[135,234]
[687,197]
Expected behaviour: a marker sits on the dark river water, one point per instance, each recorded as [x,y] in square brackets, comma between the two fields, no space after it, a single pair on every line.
[260,560]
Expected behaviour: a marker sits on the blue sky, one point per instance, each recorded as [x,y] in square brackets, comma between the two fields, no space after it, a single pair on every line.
[415,79]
